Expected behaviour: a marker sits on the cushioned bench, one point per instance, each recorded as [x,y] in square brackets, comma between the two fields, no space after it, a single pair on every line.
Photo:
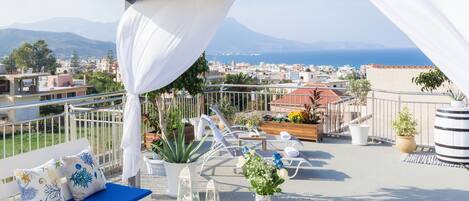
[114,192]
[118,192]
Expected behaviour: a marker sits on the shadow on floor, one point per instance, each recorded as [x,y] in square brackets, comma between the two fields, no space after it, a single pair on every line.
[407,193]
[319,174]
[317,154]
[333,139]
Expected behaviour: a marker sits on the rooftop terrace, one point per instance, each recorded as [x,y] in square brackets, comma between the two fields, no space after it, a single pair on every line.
[341,171]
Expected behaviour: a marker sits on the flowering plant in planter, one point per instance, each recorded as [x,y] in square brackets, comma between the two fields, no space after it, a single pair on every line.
[264,177]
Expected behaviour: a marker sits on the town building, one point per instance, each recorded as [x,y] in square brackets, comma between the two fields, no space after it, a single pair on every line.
[33,87]
[298,98]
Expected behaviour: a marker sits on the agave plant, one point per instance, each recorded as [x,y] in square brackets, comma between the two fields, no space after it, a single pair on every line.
[176,150]
[457,96]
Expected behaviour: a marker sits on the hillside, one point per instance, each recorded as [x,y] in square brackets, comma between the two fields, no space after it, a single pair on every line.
[232,37]
[61,43]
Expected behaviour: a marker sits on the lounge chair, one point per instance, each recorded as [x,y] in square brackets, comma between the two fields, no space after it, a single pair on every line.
[234,130]
[221,148]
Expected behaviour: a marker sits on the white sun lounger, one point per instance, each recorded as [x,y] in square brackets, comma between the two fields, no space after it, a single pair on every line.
[221,148]
[234,130]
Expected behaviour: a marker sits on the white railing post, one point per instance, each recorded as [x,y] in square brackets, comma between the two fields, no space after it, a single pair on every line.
[373,115]
[266,99]
[66,122]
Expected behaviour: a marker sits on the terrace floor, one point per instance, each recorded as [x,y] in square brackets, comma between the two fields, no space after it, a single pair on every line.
[342,172]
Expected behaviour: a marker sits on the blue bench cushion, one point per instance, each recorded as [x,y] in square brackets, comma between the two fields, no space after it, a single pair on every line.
[116,192]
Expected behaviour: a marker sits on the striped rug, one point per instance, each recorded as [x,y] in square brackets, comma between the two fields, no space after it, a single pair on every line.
[428,158]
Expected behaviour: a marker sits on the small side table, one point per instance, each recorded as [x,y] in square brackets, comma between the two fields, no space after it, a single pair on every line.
[246,137]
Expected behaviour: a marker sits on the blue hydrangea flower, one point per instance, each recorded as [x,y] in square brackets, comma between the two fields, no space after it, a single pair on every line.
[81,178]
[277,156]
[27,193]
[87,158]
[278,164]
[245,150]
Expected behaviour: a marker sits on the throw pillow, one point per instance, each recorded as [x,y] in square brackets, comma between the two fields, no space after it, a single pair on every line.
[40,183]
[83,175]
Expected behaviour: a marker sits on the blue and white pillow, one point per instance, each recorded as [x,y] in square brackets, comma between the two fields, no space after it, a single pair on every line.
[41,183]
[83,175]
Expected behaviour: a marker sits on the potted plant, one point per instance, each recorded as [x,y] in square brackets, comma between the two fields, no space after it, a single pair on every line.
[359,89]
[190,82]
[435,79]
[406,128]
[264,177]
[227,110]
[153,161]
[251,121]
[458,99]
[304,124]
[150,119]
[175,118]
[177,154]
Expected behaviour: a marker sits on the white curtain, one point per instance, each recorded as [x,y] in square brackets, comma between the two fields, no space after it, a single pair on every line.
[157,41]
[440,28]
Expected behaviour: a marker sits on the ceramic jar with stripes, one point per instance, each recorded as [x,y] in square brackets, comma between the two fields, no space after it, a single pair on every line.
[452,135]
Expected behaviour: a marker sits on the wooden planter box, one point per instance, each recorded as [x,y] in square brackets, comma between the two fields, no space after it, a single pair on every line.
[149,137]
[302,131]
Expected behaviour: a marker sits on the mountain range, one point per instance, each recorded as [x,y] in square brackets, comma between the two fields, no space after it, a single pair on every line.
[62,43]
[89,38]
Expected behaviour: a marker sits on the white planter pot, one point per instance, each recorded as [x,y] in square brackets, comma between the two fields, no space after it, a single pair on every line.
[154,166]
[172,175]
[359,133]
[263,197]
[451,134]
[458,104]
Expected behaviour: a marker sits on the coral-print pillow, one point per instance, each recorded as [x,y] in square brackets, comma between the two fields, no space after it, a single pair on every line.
[40,183]
[84,177]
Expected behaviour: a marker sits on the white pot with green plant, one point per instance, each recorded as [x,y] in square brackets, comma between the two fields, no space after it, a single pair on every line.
[434,79]
[359,89]
[265,177]
[405,128]
[177,154]
[458,99]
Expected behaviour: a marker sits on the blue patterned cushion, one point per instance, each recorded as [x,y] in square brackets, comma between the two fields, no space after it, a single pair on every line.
[41,183]
[83,175]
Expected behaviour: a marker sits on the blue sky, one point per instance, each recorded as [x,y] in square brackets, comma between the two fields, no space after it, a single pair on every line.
[301,20]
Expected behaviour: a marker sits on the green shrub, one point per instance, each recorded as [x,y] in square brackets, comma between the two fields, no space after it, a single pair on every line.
[405,124]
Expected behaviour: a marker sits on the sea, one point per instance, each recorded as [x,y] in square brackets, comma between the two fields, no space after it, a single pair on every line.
[336,58]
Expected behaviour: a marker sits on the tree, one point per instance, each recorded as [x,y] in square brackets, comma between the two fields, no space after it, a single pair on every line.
[102,82]
[75,60]
[191,81]
[359,90]
[239,78]
[110,57]
[37,56]
[10,65]
[431,80]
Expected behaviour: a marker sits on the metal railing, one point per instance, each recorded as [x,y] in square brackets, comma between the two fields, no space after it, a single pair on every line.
[99,118]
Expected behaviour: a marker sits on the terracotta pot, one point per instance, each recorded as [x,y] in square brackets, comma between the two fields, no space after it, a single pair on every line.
[406,144]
